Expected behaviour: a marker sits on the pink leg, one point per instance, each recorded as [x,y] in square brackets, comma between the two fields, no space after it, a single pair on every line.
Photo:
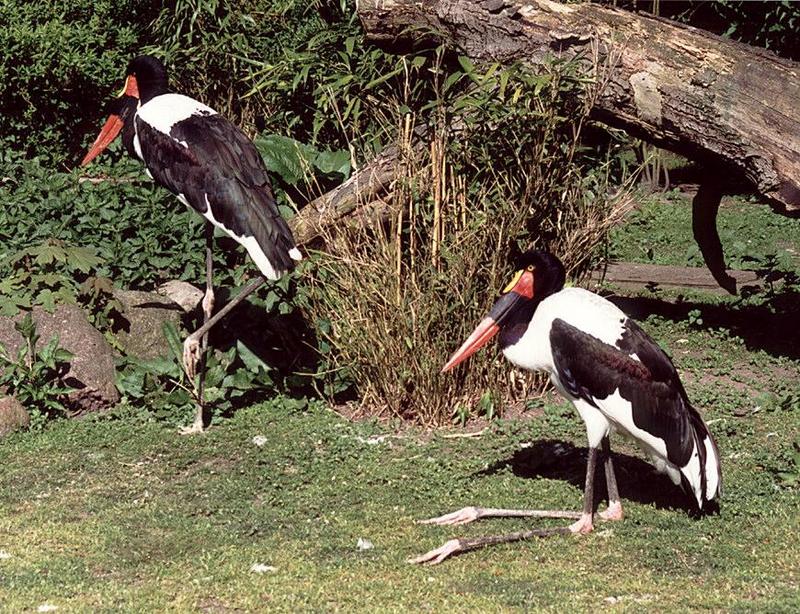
[585,524]
[456,546]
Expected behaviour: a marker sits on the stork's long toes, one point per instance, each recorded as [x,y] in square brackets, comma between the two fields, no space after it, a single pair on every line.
[434,557]
[463,516]
[191,355]
[613,512]
[583,525]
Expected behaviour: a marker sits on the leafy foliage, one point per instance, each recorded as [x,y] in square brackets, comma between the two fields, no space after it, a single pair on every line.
[59,56]
[33,375]
[159,387]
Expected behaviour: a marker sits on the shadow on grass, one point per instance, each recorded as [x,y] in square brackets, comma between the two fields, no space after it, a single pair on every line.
[559,460]
[769,326]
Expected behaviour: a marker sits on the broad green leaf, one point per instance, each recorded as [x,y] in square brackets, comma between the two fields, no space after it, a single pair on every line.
[285,156]
[250,360]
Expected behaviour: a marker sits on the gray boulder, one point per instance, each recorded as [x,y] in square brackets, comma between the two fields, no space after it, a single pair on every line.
[91,370]
[145,314]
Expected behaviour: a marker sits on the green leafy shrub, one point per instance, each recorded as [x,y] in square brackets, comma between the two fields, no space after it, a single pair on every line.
[159,388]
[33,375]
[59,63]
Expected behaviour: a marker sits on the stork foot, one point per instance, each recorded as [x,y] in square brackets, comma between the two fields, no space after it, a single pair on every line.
[463,516]
[457,546]
[470,514]
[437,555]
[192,352]
[613,512]
[583,525]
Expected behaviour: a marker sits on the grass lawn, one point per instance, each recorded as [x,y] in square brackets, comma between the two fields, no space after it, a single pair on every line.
[120,514]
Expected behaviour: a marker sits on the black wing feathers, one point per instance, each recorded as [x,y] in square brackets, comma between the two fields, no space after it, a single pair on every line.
[593,370]
[220,163]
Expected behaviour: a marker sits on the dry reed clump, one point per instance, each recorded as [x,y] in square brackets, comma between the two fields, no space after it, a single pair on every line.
[401,295]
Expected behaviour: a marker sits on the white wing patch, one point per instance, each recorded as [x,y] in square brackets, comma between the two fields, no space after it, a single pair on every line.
[137,146]
[692,473]
[163,112]
[250,244]
[712,469]
[259,257]
[582,309]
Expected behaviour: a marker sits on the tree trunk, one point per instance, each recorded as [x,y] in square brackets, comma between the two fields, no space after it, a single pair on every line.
[728,105]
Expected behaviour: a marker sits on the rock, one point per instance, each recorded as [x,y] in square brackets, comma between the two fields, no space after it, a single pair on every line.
[91,371]
[12,416]
[145,314]
[183,293]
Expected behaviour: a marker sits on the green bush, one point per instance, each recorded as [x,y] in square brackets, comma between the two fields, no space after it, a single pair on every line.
[59,63]
[62,62]
[33,375]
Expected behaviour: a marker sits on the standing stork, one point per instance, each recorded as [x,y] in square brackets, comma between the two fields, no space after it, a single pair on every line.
[212,167]
[617,377]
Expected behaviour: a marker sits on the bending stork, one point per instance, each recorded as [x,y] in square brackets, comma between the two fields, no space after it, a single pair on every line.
[617,377]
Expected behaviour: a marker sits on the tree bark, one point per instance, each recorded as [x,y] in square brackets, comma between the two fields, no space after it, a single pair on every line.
[723,103]
[362,193]
[364,197]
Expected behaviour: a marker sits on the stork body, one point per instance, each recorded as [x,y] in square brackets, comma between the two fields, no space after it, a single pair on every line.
[617,377]
[213,168]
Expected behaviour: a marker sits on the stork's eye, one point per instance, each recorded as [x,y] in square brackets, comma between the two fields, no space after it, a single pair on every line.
[530,268]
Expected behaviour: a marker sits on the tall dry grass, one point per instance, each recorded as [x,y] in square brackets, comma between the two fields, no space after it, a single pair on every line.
[502,170]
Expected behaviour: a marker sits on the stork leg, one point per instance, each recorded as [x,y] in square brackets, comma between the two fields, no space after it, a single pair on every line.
[584,523]
[208,309]
[468,514]
[614,510]
[192,350]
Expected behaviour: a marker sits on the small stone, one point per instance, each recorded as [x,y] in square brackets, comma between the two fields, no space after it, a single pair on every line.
[183,293]
[364,544]
[261,568]
[259,440]
[4,555]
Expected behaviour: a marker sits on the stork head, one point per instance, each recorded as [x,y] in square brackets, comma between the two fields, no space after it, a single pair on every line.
[146,77]
[539,274]
[149,75]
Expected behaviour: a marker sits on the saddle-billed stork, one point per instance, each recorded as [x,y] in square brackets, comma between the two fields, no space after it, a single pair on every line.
[212,167]
[617,377]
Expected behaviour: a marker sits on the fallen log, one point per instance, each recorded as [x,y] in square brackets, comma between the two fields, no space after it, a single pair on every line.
[363,198]
[352,197]
[693,92]
[635,276]
[728,106]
